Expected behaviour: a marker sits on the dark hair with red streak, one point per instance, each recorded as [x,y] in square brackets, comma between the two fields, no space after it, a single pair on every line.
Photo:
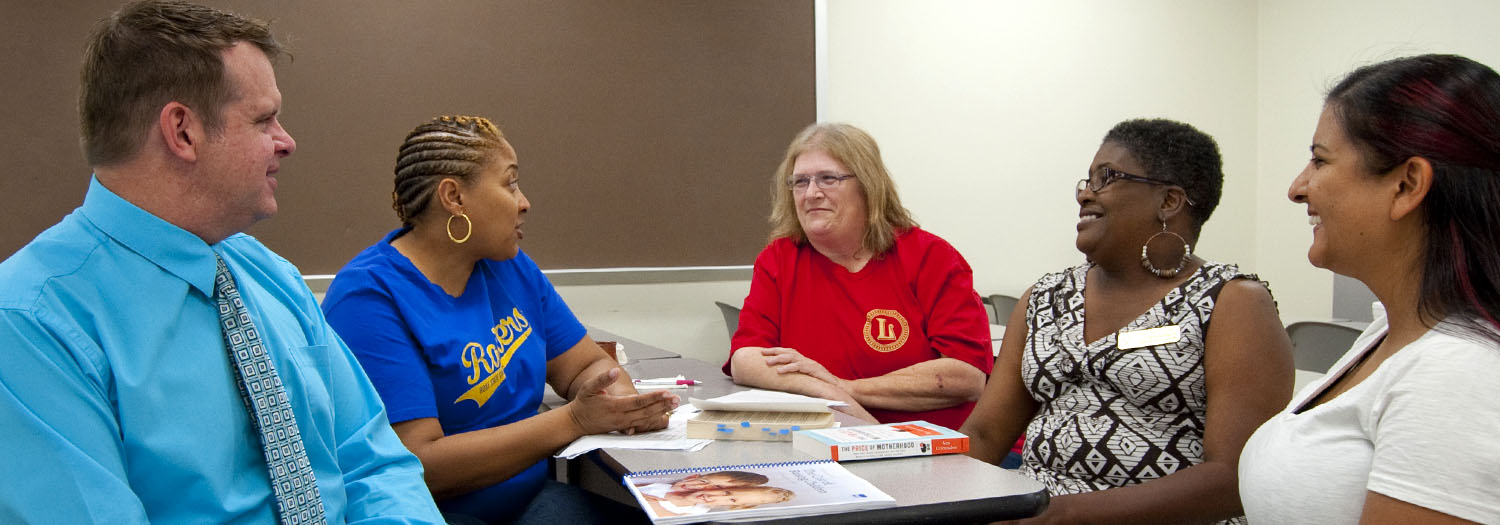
[1445,109]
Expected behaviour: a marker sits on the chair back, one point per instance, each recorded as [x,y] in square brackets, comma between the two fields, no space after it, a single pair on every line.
[731,316]
[1003,306]
[1318,344]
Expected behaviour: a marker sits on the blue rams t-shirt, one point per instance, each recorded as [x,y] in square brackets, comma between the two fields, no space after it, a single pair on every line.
[473,362]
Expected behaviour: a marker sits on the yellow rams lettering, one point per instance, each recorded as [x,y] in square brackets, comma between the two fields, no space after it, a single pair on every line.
[471,359]
[486,363]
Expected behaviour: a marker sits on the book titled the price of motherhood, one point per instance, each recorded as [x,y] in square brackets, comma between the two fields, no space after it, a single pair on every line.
[741,492]
[891,440]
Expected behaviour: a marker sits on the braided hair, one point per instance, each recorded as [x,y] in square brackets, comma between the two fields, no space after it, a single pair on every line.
[447,146]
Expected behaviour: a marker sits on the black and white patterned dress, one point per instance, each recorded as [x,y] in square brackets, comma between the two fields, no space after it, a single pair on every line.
[1108,417]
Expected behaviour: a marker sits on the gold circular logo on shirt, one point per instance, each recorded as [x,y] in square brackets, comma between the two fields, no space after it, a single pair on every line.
[885,330]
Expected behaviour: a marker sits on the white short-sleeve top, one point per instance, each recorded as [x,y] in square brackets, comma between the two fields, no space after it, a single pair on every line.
[1424,428]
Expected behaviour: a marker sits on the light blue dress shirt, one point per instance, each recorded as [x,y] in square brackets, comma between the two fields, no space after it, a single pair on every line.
[117,403]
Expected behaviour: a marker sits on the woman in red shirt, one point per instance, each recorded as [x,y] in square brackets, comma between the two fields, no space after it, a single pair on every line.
[852,301]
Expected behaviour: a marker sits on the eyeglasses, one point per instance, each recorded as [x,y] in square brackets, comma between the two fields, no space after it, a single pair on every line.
[800,183]
[1097,181]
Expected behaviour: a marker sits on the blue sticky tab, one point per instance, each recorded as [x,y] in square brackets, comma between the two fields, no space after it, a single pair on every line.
[721,425]
[796,427]
[745,424]
[783,431]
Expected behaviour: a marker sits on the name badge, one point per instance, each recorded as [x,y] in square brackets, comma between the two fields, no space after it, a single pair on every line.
[1128,340]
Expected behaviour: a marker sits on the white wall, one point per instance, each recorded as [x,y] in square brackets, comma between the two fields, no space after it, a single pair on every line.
[1305,47]
[988,111]
[680,317]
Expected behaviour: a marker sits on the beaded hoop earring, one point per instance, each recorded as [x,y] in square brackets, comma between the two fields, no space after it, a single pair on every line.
[470,230]
[1187,253]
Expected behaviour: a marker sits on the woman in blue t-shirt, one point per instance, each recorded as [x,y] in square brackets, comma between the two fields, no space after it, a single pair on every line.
[458,330]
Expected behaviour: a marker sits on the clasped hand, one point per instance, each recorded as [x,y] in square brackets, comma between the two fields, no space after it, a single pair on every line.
[828,386]
[790,361]
[596,411]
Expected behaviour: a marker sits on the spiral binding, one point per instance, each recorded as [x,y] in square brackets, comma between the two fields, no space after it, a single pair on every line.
[700,470]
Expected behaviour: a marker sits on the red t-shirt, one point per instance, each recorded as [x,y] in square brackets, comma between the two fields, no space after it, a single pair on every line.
[913,304]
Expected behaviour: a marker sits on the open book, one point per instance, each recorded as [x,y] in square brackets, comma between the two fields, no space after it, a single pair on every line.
[752,491]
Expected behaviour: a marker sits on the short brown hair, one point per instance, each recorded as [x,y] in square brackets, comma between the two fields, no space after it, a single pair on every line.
[857,151]
[150,53]
[447,146]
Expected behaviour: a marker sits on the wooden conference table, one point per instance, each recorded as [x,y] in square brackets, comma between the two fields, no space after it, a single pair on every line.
[936,489]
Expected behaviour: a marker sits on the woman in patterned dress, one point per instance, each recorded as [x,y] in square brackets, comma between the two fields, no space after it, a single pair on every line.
[1134,406]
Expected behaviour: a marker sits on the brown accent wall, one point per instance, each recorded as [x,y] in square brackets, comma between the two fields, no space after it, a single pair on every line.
[646,131]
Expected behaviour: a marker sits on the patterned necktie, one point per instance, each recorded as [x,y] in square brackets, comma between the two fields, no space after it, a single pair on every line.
[292,479]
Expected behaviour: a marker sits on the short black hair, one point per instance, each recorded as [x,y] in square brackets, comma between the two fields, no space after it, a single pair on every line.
[1177,153]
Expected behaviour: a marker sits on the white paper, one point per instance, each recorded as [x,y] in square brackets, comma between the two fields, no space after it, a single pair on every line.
[674,437]
[767,401]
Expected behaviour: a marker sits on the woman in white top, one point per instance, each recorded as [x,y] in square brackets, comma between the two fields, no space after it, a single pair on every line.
[1403,191]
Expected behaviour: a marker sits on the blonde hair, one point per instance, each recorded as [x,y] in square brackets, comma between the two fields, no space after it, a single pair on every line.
[857,151]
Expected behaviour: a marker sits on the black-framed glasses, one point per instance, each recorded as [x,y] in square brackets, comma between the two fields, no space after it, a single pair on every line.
[800,183]
[1101,179]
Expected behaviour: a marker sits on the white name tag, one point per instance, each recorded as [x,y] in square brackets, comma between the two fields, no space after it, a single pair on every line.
[1127,340]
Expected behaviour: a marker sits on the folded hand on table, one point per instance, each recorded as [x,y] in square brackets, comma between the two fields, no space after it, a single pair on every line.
[596,411]
[790,361]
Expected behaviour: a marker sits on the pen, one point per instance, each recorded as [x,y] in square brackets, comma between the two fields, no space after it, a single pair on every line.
[653,386]
[666,382]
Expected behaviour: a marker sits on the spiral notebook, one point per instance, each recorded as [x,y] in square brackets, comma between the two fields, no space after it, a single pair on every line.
[742,492]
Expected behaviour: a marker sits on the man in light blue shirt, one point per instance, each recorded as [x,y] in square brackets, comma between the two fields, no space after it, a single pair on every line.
[118,403]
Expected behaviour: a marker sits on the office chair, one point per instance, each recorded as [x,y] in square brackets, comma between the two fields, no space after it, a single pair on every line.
[731,316]
[989,309]
[1003,306]
[1318,344]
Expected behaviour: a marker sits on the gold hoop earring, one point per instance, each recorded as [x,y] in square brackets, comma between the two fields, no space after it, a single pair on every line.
[1187,253]
[469,230]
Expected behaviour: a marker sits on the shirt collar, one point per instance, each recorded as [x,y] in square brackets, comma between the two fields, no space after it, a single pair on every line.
[170,247]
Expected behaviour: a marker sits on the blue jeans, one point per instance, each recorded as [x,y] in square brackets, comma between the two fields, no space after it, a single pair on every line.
[1012,461]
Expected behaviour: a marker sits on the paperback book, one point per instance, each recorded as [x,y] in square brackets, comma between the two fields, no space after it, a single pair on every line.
[741,492]
[754,426]
[912,438]
[758,415]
